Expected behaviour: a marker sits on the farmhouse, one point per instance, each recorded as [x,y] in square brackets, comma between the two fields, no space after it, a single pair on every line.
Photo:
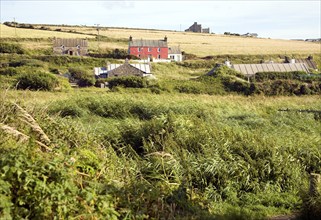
[175,54]
[72,47]
[152,49]
[121,70]
[197,28]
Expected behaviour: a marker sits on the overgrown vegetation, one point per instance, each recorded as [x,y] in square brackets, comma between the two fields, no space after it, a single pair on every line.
[37,81]
[10,48]
[169,156]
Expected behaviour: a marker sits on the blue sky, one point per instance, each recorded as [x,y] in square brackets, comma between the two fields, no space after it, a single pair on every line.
[276,19]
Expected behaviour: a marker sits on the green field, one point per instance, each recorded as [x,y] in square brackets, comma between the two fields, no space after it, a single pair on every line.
[183,146]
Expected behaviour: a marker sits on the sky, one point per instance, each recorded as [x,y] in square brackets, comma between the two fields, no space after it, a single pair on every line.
[290,19]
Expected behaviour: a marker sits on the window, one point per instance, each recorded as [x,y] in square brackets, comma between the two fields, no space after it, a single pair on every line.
[139,49]
[138,55]
[158,49]
[159,56]
[149,49]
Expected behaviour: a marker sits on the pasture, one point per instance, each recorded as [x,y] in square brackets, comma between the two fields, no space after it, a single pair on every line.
[194,43]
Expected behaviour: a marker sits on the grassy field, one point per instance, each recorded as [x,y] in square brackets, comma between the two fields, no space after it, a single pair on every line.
[198,44]
[9,32]
[209,44]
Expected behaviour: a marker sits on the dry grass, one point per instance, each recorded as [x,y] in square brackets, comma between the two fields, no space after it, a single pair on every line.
[207,44]
[195,43]
[9,32]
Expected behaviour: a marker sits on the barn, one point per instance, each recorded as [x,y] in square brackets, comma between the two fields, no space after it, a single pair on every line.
[152,49]
[72,47]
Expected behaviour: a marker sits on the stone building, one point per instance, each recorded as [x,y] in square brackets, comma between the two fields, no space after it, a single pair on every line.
[72,47]
[197,28]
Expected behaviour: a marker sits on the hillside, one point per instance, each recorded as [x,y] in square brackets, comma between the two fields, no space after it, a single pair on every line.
[194,43]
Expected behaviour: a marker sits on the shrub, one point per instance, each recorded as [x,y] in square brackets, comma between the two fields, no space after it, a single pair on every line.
[11,48]
[234,84]
[37,81]
[26,62]
[10,71]
[81,77]
[86,81]
[130,81]
[264,76]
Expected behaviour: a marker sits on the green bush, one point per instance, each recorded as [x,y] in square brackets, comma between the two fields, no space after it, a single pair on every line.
[11,48]
[129,82]
[10,71]
[37,81]
[82,77]
[26,62]
[264,76]
[234,84]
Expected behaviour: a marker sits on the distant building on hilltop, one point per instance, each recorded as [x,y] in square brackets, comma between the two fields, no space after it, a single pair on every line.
[197,28]
[72,47]
[250,35]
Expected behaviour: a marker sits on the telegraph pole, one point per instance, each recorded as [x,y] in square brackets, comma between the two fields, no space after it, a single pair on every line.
[98,35]
[15,26]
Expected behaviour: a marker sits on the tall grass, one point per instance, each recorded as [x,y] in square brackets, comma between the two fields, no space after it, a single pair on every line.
[167,156]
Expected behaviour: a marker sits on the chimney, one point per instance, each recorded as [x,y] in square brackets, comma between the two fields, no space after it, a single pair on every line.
[165,38]
[130,38]
[310,57]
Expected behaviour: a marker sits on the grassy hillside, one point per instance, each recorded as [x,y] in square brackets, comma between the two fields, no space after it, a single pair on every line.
[198,44]
[9,32]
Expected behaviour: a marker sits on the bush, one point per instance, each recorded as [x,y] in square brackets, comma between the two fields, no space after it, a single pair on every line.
[86,81]
[10,71]
[81,77]
[26,62]
[37,81]
[234,84]
[11,48]
[264,76]
[130,81]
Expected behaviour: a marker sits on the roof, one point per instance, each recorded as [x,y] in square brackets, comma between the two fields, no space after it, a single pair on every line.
[142,67]
[174,50]
[309,63]
[148,43]
[129,67]
[251,69]
[70,42]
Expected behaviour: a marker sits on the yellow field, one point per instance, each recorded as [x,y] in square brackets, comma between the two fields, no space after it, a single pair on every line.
[195,43]
[208,44]
[9,32]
